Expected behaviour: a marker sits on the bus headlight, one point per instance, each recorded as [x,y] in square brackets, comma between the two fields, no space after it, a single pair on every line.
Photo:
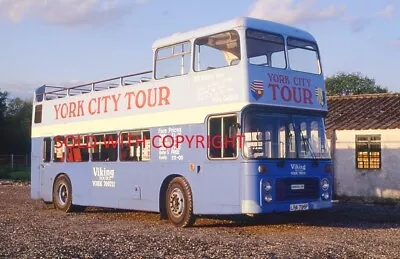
[267,186]
[268,198]
[325,184]
[325,196]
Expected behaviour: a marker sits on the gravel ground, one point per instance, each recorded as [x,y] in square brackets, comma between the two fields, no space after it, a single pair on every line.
[31,229]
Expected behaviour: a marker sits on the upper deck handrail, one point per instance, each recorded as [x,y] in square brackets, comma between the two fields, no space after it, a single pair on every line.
[92,85]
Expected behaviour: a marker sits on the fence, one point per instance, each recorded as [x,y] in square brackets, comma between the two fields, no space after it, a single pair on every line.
[15,162]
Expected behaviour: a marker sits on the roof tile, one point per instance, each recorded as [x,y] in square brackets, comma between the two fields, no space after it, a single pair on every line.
[365,111]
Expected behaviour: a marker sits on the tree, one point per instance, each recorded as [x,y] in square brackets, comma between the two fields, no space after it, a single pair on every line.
[18,126]
[3,105]
[15,125]
[3,111]
[352,83]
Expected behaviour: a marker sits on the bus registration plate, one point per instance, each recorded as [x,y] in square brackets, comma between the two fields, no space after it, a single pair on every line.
[297,207]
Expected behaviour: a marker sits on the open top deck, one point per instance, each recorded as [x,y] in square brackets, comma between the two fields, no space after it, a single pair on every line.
[47,92]
[192,87]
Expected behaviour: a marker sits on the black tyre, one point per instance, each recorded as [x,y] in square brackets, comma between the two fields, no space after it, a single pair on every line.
[179,203]
[62,194]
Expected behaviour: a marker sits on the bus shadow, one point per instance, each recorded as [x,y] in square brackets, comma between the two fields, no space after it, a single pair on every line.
[360,216]
[341,215]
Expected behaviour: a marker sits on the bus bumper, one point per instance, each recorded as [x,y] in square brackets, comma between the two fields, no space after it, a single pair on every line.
[252,207]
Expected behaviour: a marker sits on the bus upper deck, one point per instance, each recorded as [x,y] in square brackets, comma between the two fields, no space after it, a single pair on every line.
[217,68]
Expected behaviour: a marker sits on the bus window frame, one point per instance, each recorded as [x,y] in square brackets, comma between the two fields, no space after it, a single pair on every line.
[128,131]
[53,148]
[285,49]
[288,111]
[222,147]
[38,113]
[44,153]
[209,35]
[184,53]
[83,137]
[317,52]
[92,149]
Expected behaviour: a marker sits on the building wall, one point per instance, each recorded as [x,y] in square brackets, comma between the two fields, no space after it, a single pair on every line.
[380,183]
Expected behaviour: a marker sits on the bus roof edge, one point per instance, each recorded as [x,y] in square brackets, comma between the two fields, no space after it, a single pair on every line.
[246,22]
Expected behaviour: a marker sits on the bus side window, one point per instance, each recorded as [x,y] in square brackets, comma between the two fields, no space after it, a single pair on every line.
[77,150]
[38,113]
[46,150]
[84,150]
[230,146]
[173,60]
[146,146]
[111,147]
[105,148]
[265,49]
[217,51]
[135,146]
[59,149]
[222,145]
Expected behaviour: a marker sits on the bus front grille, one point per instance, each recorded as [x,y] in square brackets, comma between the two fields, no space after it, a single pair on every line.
[296,188]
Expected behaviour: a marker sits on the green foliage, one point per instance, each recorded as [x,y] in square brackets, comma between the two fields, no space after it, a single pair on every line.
[22,175]
[4,172]
[3,106]
[15,125]
[352,83]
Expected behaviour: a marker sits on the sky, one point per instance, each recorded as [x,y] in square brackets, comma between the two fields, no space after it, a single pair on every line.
[67,42]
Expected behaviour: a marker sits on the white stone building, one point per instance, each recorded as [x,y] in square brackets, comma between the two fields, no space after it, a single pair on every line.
[364,132]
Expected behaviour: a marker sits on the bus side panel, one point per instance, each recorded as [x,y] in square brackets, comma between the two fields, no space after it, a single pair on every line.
[128,185]
[136,184]
[79,175]
[48,173]
[251,202]
[36,159]
[216,188]
[215,184]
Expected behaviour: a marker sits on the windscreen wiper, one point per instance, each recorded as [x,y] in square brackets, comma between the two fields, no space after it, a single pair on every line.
[304,140]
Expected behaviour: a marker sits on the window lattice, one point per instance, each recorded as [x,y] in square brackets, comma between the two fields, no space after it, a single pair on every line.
[368,151]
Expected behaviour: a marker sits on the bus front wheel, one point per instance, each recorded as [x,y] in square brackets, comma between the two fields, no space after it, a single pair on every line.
[179,203]
[62,194]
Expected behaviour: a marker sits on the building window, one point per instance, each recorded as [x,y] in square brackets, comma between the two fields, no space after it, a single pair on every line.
[368,151]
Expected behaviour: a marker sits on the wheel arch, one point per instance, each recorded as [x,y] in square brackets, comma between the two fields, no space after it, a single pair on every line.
[72,207]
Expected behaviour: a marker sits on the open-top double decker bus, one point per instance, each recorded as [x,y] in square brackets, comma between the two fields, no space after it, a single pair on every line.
[230,120]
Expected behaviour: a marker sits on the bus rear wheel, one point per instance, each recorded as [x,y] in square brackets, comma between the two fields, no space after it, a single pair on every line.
[62,194]
[179,203]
